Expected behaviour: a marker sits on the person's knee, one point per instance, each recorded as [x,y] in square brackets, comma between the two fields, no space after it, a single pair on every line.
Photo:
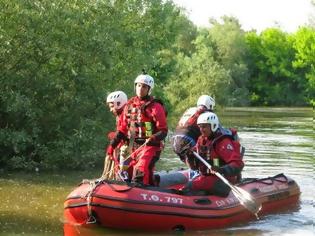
[138,176]
[156,180]
[220,189]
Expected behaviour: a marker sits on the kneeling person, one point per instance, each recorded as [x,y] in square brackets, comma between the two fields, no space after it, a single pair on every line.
[221,152]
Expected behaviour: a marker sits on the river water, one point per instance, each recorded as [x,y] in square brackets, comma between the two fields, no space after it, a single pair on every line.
[277,140]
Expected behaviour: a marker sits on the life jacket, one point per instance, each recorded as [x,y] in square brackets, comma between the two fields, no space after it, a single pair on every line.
[187,124]
[141,124]
[190,116]
[205,147]
[233,135]
[204,150]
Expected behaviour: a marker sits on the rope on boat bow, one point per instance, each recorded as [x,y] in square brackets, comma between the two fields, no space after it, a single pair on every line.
[93,184]
[267,180]
[89,196]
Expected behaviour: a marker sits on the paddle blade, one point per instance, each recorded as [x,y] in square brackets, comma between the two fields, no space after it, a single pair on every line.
[244,197]
[247,200]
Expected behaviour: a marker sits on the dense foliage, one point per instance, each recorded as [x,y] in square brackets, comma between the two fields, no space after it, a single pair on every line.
[281,74]
[59,59]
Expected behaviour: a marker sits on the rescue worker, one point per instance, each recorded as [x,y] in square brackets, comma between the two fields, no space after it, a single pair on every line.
[217,146]
[116,102]
[187,130]
[144,125]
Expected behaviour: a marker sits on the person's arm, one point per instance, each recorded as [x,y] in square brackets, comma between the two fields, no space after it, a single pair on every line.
[192,121]
[159,117]
[120,134]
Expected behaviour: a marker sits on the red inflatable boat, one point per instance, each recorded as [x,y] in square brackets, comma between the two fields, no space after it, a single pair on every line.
[127,206]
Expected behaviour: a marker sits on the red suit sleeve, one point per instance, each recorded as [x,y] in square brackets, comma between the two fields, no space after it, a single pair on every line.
[121,128]
[192,121]
[158,115]
[119,120]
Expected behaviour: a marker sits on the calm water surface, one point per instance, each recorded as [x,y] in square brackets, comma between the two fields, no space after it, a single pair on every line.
[277,140]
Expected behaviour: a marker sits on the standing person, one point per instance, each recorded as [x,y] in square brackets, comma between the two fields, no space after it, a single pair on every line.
[144,125]
[218,147]
[187,130]
[116,102]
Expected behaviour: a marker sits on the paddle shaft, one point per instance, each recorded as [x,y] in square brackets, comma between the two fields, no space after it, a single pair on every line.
[119,173]
[135,151]
[210,167]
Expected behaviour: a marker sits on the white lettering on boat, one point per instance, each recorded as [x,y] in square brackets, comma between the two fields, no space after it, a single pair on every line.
[175,200]
[144,195]
[220,203]
[225,202]
[156,198]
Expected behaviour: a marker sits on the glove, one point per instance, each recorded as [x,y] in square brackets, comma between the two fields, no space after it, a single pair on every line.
[111,135]
[150,139]
[217,169]
[110,150]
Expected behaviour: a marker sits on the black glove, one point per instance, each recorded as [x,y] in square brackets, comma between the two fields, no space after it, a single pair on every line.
[217,169]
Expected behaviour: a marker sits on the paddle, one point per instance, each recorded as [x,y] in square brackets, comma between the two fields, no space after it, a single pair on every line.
[243,196]
[125,159]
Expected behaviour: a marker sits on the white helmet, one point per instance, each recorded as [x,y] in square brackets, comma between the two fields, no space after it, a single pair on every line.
[145,79]
[209,118]
[207,101]
[118,98]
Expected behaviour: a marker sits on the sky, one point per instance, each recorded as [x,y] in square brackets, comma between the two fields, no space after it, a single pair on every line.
[252,14]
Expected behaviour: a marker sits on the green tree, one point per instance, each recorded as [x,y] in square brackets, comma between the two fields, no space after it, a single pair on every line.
[50,67]
[58,61]
[217,66]
[304,45]
[273,79]
[232,52]
[196,75]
